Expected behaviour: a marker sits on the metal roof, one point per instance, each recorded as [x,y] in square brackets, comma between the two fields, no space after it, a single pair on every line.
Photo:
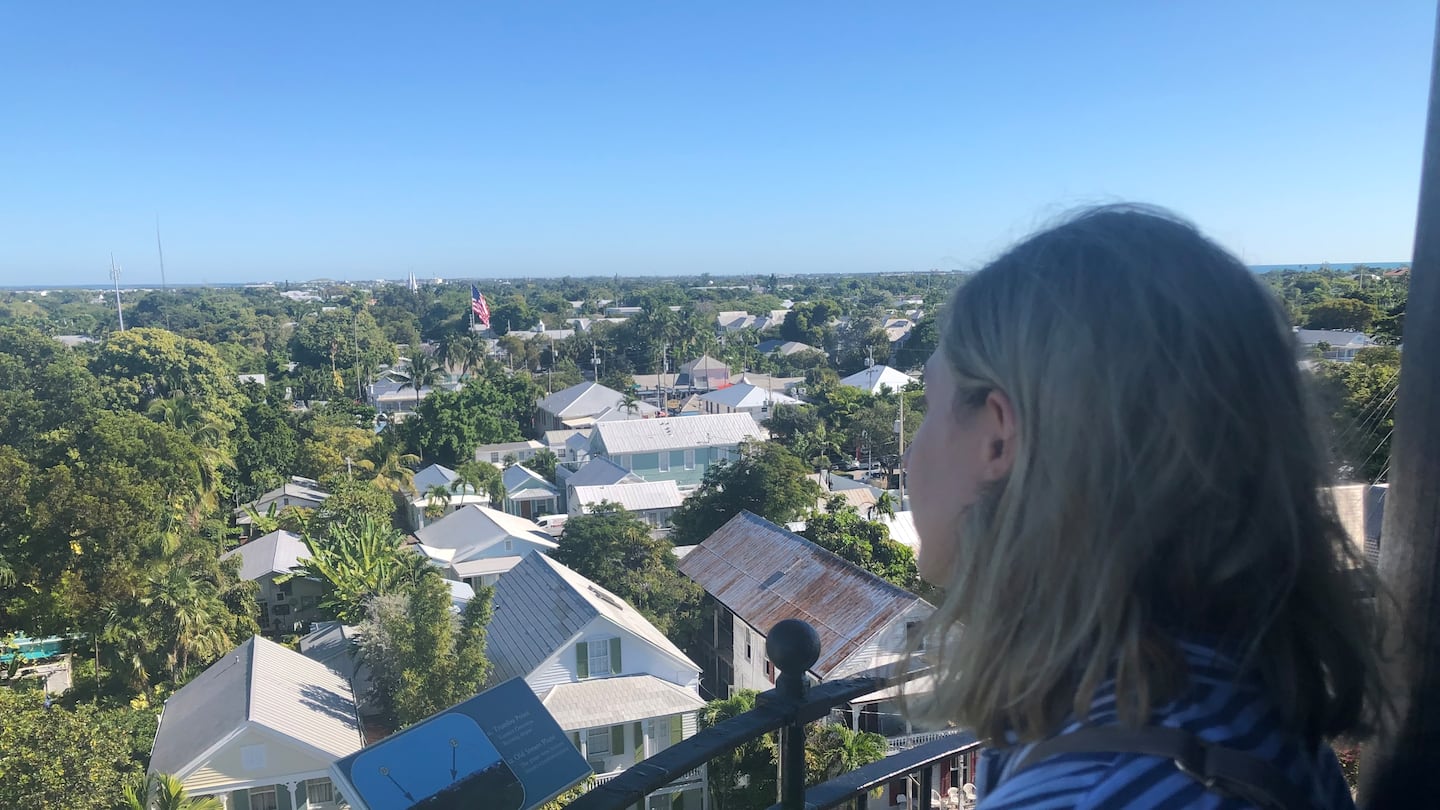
[485,565]
[434,475]
[583,399]
[600,472]
[263,683]
[471,529]
[635,497]
[872,378]
[745,395]
[611,701]
[679,432]
[517,476]
[539,607]
[274,553]
[763,574]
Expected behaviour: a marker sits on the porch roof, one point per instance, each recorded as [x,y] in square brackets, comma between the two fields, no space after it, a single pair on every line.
[612,701]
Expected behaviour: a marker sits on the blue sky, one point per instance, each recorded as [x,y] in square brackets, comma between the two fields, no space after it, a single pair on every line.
[356,140]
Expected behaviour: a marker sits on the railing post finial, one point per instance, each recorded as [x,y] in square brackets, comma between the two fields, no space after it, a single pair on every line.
[794,647]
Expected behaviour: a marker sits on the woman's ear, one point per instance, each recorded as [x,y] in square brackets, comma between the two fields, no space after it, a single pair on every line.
[998,418]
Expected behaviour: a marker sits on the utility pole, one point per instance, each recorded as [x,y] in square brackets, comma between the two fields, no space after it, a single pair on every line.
[115,277]
[594,361]
[1400,765]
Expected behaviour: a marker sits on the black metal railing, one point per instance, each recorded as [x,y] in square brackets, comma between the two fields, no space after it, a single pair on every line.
[794,647]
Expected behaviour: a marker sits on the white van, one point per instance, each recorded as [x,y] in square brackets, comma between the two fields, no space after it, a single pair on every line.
[553,524]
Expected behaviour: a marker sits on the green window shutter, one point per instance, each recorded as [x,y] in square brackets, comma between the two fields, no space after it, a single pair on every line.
[639,740]
[303,793]
[614,656]
[677,728]
[575,738]
[582,660]
[282,797]
[617,740]
[240,799]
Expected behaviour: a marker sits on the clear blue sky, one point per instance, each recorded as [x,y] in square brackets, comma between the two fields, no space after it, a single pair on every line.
[355,140]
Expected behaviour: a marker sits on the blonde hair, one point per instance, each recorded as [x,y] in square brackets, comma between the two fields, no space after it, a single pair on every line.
[1167,484]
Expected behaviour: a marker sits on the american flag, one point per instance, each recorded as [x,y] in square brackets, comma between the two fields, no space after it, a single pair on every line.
[478,306]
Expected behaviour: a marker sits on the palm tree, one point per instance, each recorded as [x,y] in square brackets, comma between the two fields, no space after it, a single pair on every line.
[466,351]
[395,471]
[437,498]
[7,574]
[208,435]
[478,477]
[884,506]
[161,791]
[836,749]
[425,372]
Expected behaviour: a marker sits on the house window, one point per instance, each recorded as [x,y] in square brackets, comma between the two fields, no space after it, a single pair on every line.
[597,743]
[625,461]
[747,644]
[596,659]
[690,459]
[509,544]
[495,458]
[319,791]
[264,799]
[664,461]
[914,636]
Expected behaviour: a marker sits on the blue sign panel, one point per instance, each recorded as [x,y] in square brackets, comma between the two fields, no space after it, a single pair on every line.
[500,749]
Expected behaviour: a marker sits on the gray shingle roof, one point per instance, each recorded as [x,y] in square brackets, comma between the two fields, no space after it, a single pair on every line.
[678,432]
[263,683]
[763,573]
[274,553]
[612,701]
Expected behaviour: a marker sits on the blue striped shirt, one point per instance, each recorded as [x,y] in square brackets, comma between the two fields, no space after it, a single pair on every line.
[1217,706]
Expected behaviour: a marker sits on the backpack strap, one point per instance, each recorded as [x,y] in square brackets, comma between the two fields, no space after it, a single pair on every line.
[1222,770]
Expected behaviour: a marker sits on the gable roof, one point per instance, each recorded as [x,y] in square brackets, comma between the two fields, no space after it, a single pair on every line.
[613,701]
[1338,338]
[434,475]
[784,347]
[746,395]
[539,607]
[518,476]
[763,574]
[473,528]
[600,472]
[290,489]
[261,683]
[583,399]
[872,378]
[705,363]
[677,432]
[634,496]
[275,553]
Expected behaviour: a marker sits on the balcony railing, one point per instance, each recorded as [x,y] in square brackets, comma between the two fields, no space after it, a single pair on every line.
[794,647]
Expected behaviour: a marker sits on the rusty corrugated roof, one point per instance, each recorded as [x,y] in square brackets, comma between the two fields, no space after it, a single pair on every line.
[764,574]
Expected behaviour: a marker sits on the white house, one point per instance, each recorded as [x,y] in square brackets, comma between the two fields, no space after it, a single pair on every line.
[476,544]
[679,448]
[577,406]
[617,685]
[875,378]
[259,730]
[519,451]
[1339,344]
[756,573]
[285,605]
[745,398]
[651,501]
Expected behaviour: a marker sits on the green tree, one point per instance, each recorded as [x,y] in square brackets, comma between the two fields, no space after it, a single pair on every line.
[357,561]
[423,658]
[341,340]
[1341,313]
[543,462]
[832,750]
[768,480]
[612,547]
[139,365]
[493,407]
[437,499]
[80,757]
[161,791]
[866,543]
[480,478]
[350,504]
[744,777]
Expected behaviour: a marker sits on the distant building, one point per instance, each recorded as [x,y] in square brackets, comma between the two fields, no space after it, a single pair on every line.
[476,545]
[784,348]
[528,494]
[651,501]
[283,606]
[519,451]
[437,475]
[580,405]
[875,378]
[745,398]
[297,493]
[1338,344]
[678,449]
[593,473]
[704,373]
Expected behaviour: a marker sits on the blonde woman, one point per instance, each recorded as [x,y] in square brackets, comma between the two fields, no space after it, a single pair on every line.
[1153,604]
